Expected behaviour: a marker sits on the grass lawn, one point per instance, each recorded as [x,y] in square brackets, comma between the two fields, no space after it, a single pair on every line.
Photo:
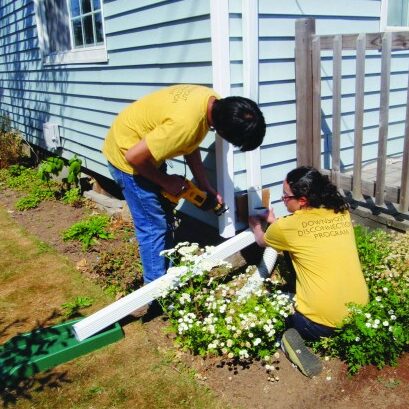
[137,371]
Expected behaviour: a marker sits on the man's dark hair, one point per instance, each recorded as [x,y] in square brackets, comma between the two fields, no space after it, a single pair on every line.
[306,181]
[239,121]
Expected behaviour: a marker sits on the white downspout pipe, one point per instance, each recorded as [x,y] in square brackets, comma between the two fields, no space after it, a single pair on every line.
[262,272]
[220,37]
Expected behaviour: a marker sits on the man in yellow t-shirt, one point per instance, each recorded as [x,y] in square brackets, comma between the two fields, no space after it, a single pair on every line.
[320,241]
[171,122]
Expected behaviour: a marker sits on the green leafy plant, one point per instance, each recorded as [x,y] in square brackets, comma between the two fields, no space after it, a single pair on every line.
[28,202]
[73,197]
[74,169]
[49,167]
[88,231]
[377,333]
[72,308]
[53,166]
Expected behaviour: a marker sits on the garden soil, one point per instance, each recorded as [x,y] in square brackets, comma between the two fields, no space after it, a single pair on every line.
[242,386]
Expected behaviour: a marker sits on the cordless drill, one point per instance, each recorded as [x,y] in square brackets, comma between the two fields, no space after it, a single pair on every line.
[201,199]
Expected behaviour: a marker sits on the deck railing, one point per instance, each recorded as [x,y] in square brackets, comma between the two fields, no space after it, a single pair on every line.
[308,96]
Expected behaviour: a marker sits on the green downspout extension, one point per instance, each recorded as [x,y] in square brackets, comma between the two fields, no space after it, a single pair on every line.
[26,354]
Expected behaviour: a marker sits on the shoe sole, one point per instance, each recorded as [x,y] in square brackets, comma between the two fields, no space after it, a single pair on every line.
[309,364]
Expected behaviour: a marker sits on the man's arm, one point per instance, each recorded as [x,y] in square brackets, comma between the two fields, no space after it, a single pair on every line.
[195,164]
[141,159]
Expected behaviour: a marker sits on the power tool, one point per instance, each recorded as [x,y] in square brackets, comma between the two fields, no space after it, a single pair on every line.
[201,199]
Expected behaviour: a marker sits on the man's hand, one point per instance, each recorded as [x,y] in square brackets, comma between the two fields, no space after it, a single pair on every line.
[195,164]
[174,184]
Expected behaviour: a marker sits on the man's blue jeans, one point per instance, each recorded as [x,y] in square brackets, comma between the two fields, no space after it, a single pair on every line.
[153,220]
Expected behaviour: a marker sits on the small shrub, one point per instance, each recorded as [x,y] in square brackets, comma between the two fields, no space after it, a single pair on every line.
[11,144]
[88,231]
[377,333]
[119,271]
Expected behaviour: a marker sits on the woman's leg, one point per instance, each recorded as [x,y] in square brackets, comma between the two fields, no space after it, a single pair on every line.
[309,330]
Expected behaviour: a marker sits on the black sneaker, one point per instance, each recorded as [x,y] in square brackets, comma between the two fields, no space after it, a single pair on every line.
[294,347]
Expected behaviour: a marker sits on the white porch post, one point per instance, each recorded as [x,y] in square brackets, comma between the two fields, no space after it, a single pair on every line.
[250,86]
[219,19]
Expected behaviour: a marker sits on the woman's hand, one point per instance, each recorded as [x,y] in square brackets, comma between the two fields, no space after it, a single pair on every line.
[270,216]
[255,224]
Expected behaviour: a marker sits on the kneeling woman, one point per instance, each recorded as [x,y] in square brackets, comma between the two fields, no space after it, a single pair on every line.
[319,238]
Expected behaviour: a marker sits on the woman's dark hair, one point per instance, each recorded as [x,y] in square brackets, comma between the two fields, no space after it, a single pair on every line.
[308,182]
[239,121]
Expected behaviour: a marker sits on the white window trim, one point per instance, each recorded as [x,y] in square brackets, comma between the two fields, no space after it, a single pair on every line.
[87,55]
[384,20]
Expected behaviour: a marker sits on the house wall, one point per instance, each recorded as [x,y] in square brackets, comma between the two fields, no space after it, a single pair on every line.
[153,43]
[150,44]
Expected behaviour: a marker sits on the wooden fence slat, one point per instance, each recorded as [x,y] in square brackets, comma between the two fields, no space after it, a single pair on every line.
[383,118]
[304,29]
[359,116]
[316,103]
[336,109]
[404,192]
[400,41]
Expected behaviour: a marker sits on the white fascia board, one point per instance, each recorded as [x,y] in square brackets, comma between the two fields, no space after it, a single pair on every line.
[219,21]
[250,86]
[146,294]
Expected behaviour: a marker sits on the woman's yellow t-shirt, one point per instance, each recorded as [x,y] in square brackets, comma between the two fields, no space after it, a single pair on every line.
[322,248]
[173,122]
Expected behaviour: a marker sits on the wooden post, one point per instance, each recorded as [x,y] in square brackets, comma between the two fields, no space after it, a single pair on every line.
[404,192]
[304,29]
[316,102]
[383,118]
[359,116]
[336,110]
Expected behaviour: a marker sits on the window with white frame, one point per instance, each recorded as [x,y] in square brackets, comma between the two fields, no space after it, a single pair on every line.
[71,31]
[394,15]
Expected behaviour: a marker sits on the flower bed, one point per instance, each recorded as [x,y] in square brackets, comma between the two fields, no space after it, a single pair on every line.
[207,317]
